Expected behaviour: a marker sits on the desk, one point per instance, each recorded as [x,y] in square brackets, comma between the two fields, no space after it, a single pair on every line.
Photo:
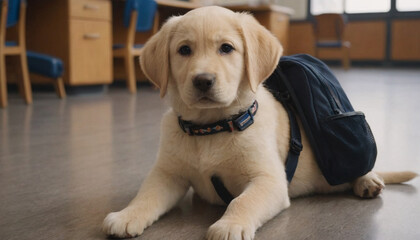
[274,18]
[81,33]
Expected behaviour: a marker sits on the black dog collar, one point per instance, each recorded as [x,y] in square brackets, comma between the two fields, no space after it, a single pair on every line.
[240,122]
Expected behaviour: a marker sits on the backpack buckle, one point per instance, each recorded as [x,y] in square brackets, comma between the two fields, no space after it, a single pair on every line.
[296,146]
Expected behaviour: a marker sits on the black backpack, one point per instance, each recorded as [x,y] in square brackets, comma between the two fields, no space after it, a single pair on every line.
[340,137]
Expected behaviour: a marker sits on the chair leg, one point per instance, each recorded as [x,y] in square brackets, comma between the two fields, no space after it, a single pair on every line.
[25,78]
[346,57]
[129,69]
[3,82]
[20,87]
[59,88]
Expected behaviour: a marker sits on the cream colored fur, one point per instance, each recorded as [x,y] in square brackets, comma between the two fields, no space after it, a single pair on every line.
[250,163]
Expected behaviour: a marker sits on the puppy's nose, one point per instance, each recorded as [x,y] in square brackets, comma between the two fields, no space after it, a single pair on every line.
[204,81]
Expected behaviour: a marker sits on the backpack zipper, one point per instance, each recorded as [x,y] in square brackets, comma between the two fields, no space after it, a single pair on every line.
[346,114]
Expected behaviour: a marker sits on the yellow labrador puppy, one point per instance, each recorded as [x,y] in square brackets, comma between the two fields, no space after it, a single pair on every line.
[210,63]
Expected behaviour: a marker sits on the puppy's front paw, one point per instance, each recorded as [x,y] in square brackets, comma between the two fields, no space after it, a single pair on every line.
[368,186]
[123,224]
[230,230]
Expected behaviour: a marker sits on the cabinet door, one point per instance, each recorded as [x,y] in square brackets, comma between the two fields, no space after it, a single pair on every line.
[91,9]
[90,52]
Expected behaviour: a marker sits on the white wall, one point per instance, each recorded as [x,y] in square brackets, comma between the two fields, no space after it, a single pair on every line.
[299,6]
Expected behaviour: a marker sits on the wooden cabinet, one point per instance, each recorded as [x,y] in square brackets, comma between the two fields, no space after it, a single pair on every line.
[275,18]
[367,38]
[89,61]
[90,9]
[77,31]
[405,40]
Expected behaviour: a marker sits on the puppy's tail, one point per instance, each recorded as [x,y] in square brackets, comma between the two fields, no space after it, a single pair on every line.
[397,177]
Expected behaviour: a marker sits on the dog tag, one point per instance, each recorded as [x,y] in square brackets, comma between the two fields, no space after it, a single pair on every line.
[244,121]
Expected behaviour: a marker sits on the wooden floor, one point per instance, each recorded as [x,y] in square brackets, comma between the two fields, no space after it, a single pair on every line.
[64,164]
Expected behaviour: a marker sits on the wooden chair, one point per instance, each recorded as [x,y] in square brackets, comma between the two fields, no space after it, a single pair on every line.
[139,16]
[329,30]
[48,66]
[13,12]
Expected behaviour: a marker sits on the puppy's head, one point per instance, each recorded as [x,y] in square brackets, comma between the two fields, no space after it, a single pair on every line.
[210,56]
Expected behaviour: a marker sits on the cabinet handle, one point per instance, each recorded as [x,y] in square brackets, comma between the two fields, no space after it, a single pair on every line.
[91,7]
[92,36]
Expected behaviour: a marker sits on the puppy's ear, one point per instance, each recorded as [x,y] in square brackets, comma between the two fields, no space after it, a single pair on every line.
[154,59]
[262,50]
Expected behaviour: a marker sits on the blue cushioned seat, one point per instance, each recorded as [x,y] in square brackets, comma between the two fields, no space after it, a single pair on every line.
[120,45]
[45,65]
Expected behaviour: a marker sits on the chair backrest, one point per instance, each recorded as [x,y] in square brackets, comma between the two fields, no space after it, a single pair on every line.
[146,10]
[329,27]
[12,12]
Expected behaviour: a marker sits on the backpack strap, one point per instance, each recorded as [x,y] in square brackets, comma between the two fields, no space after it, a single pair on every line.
[221,190]
[295,146]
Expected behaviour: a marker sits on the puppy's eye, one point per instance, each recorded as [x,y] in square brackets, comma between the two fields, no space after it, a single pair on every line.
[226,48]
[184,50]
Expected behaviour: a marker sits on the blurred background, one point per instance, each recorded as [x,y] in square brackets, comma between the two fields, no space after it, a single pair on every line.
[95,42]
[79,121]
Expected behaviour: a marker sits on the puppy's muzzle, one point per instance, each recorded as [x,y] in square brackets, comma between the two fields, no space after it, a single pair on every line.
[204,81]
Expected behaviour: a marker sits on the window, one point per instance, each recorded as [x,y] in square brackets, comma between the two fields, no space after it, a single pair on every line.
[408,5]
[351,6]
[367,6]
[327,6]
